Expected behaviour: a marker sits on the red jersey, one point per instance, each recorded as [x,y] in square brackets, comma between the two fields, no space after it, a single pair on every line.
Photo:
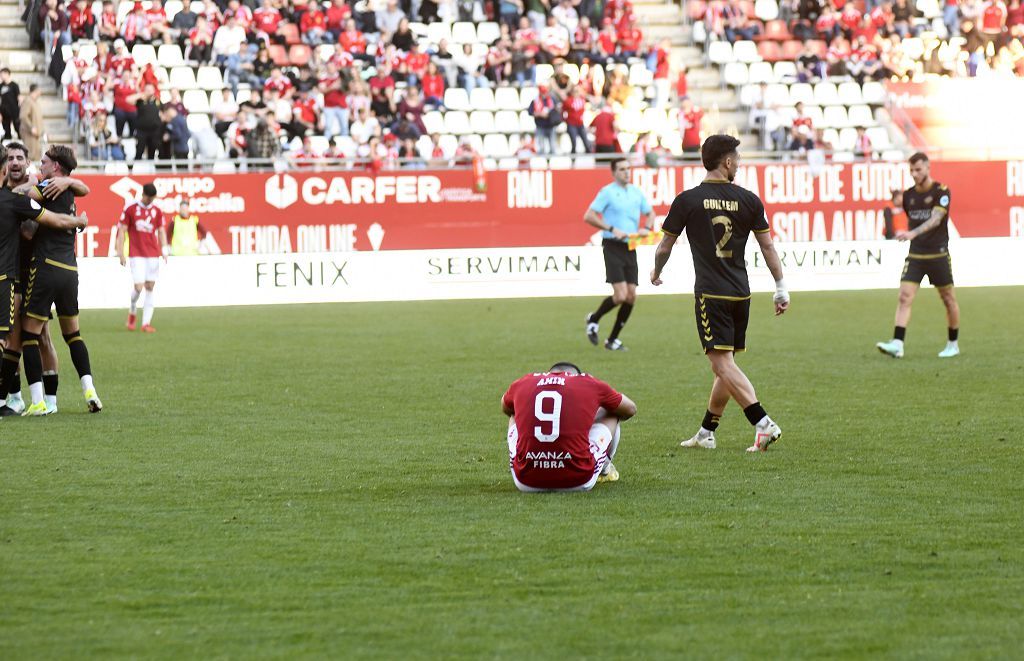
[661,66]
[433,86]
[691,126]
[306,110]
[994,17]
[267,20]
[336,16]
[417,63]
[312,19]
[122,91]
[850,20]
[553,415]
[572,109]
[803,120]
[142,223]
[604,128]
[353,42]
[282,85]
[630,40]
[607,42]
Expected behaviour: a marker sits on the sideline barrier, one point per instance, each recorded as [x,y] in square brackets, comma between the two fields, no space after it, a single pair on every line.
[402,275]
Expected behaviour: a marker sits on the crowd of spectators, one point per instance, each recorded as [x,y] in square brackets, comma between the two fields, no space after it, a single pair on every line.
[354,70]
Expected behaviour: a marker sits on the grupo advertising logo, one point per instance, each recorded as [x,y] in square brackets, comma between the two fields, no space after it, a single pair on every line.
[282,191]
[200,191]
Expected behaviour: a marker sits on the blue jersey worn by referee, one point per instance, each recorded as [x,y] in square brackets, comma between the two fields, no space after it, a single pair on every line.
[621,207]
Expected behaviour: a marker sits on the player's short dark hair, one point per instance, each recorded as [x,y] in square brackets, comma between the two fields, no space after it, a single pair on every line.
[63,156]
[5,70]
[15,145]
[614,163]
[918,157]
[564,366]
[716,148]
[149,190]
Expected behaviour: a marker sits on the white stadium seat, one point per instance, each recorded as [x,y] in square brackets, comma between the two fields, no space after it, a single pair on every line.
[560,163]
[182,78]
[766,10]
[196,101]
[850,94]
[861,116]
[835,116]
[209,78]
[847,139]
[456,98]
[746,51]
[169,56]
[873,93]
[844,157]
[826,94]
[749,94]
[438,31]
[761,72]
[496,145]
[481,122]
[778,95]
[144,54]
[171,9]
[456,122]
[508,164]
[801,93]
[879,137]
[506,121]
[526,96]
[197,121]
[488,32]
[464,33]
[507,98]
[482,98]
[720,52]
[433,121]
[735,74]
[785,71]
[526,122]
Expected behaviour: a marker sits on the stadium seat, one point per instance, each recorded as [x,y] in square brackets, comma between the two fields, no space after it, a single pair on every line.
[348,146]
[847,138]
[527,96]
[770,51]
[526,123]
[850,94]
[143,167]
[893,155]
[538,163]
[488,32]
[560,163]
[279,55]
[433,121]
[196,101]
[719,52]
[825,94]
[496,145]
[801,93]
[319,144]
[481,122]
[776,30]
[463,33]
[171,9]
[735,74]
[814,112]
[222,166]
[482,98]
[123,9]
[861,116]
[746,51]
[835,116]
[585,163]
[290,32]
[700,33]
[456,98]
[324,52]
[831,136]
[748,94]
[879,137]
[543,73]
[437,31]
[640,75]
[116,168]
[300,54]
[456,122]
[748,8]
[778,95]
[791,50]
[818,47]
[418,29]
[169,56]
[209,78]
[508,163]
[182,78]
[761,72]
[507,98]
[929,8]
[198,121]
[844,157]
[448,143]
[873,93]
[506,121]
[143,54]
[785,71]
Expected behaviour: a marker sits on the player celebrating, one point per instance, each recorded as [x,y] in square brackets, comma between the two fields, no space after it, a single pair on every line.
[927,207]
[147,242]
[616,211]
[563,430]
[718,216]
[53,281]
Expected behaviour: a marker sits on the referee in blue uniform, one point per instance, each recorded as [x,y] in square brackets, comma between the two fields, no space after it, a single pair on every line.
[617,212]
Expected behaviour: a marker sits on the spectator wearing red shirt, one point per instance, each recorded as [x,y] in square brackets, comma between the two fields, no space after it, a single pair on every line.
[606,138]
[993,22]
[81,21]
[108,22]
[126,93]
[437,155]
[572,110]
[867,30]
[662,86]
[498,63]
[156,22]
[243,15]
[554,41]
[337,14]
[849,20]
[121,60]
[313,26]
[607,40]
[353,42]
[200,42]
[416,64]
[584,43]
[279,83]
[433,86]
[304,155]
[690,117]
[135,26]
[801,119]
[266,21]
[411,108]
[827,25]
[630,39]
[336,111]
[305,113]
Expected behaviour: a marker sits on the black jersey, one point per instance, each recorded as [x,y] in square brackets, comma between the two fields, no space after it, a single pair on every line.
[918,206]
[51,243]
[14,208]
[718,218]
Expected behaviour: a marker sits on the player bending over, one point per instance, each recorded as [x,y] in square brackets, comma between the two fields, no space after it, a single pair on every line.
[564,429]
[718,216]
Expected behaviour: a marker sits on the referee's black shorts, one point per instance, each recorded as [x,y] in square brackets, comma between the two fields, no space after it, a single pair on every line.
[619,262]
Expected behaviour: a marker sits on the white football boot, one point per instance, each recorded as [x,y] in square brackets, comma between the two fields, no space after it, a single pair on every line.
[892,348]
[701,439]
[764,435]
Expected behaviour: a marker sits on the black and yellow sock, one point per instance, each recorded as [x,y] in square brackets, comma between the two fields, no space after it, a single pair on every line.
[50,383]
[606,306]
[33,359]
[79,353]
[16,381]
[624,311]
[755,412]
[710,421]
[8,370]
[954,334]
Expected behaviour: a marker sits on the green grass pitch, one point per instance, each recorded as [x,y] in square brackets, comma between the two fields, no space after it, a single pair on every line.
[332,481]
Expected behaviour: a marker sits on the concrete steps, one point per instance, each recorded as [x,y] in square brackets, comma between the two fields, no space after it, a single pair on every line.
[14,36]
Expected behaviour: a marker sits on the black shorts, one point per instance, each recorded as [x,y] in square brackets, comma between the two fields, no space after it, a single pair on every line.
[619,262]
[7,310]
[51,283]
[722,322]
[938,268]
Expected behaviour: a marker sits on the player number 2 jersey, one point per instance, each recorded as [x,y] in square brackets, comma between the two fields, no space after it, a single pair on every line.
[919,206]
[142,224]
[553,414]
[718,217]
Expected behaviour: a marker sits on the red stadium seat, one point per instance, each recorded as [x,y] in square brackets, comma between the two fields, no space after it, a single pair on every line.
[279,55]
[792,49]
[299,54]
[696,9]
[290,32]
[776,31]
[818,47]
[770,51]
[748,8]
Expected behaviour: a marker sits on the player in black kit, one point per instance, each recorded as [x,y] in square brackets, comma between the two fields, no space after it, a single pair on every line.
[927,207]
[718,217]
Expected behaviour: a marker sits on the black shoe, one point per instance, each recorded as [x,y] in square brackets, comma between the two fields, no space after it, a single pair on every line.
[592,329]
[6,411]
[615,345]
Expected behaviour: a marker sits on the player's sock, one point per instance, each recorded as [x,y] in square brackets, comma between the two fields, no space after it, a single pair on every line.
[755,413]
[87,383]
[147,308]
[900,333]
[16,381]
[33,364]
[606,306]
[135,300]
[50,388]
[8,369]
[954,335]
[614,445]
[79,353]
[624,311]
[710,423]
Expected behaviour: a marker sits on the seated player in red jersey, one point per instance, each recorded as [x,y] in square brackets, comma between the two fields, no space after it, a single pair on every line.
[563,429]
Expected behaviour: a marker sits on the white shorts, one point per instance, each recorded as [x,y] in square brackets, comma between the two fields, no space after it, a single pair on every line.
[144,269]
[600,438]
